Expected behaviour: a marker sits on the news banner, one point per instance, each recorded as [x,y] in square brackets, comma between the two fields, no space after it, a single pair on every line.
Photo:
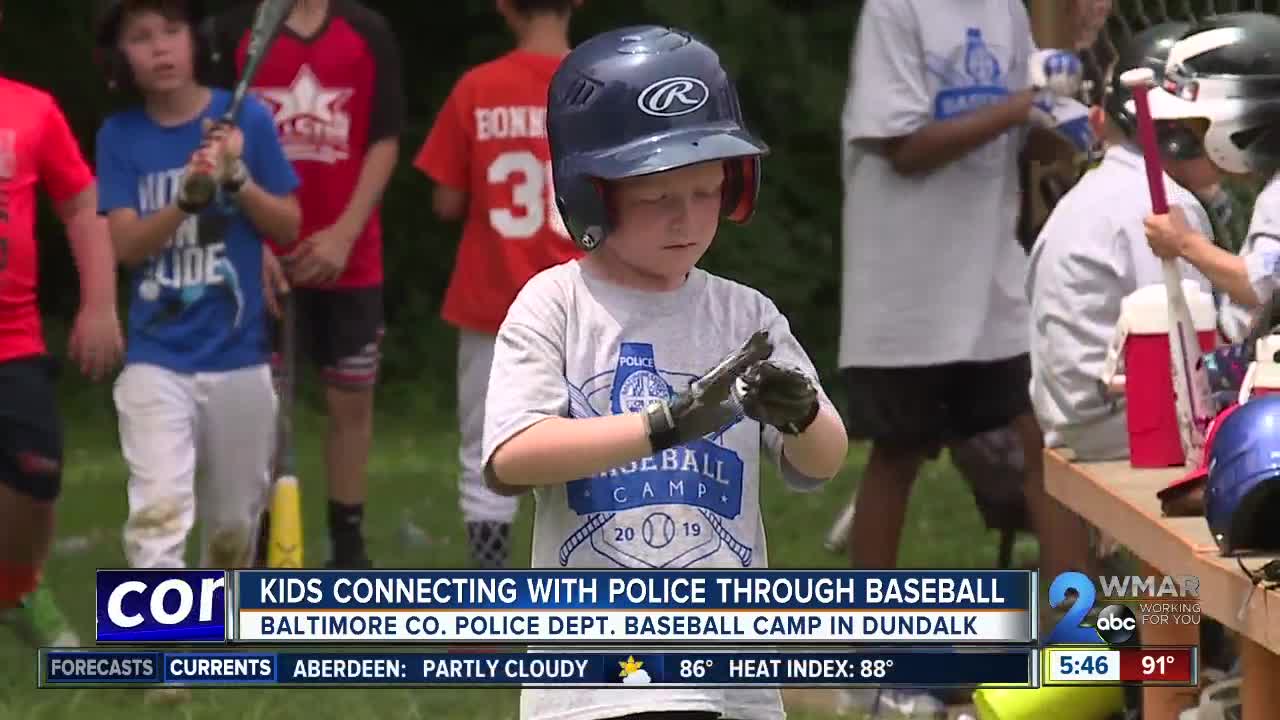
[592,628]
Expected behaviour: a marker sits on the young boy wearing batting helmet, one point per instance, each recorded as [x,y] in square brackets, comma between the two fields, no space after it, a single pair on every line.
[196,389]
[488,156]
[1223,81]
[600,396]
[38,147]
[1092,252]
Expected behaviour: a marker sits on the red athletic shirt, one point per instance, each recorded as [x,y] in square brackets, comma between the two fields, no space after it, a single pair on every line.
[333,95]
[490,141]
[36,146]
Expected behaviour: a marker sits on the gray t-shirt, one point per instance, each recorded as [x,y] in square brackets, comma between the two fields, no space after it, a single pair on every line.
[1091,253]
[573,345]
[933,271]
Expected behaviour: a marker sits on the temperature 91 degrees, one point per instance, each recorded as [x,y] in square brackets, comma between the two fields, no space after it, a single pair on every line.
[1172,665]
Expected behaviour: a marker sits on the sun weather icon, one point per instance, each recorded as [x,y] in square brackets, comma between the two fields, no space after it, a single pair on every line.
[633,672]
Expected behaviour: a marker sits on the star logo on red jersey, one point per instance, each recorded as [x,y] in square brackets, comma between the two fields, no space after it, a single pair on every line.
[311,119]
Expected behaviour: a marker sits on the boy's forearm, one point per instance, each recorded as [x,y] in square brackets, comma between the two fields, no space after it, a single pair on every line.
[138,239]
[277,217]
[375,173]
[558,450]
[90,248]
[941,143]
[818,452]
[1225,271]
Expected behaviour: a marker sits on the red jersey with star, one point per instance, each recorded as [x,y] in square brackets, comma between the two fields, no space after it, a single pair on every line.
[333,95]
[36,147]
[490,141]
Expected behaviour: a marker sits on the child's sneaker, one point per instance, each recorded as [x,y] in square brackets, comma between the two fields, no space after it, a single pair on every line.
[39,622]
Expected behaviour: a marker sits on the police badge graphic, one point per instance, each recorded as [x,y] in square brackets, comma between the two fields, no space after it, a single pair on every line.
[668,510]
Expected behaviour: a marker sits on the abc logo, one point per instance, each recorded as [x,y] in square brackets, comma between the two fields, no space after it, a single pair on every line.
[1116,624]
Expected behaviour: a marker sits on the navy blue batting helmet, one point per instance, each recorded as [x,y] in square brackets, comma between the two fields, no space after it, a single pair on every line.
[643,100]
[1242,493]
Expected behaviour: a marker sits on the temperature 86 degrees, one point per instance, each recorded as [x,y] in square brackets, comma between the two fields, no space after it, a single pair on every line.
[695,669]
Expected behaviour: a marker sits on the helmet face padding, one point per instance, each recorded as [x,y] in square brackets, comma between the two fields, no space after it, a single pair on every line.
[638,101]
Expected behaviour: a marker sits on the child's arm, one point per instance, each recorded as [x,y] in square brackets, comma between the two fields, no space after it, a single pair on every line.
[785,396]
[942,142]
[820,450]
[449,204]
[134,237]
[1170,236]
[96,340]
[890,109]
[386,123]
[445,156]
[557,450]
[138,238]
[266,193]
[96,343]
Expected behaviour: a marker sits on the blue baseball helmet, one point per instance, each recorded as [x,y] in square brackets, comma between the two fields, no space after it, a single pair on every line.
[1242,493]
[642,100]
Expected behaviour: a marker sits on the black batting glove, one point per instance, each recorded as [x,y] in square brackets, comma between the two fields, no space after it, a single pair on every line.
[709,404]
[779,396]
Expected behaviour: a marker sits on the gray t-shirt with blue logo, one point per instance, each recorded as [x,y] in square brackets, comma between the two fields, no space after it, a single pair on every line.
[573,345]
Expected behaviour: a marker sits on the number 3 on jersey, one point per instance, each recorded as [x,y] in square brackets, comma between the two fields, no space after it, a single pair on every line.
[532,194]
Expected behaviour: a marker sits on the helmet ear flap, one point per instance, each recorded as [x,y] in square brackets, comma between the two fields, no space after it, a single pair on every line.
[741,188]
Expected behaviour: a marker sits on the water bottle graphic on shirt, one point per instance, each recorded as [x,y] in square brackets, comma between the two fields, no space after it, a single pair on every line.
[980,63]
[636,381]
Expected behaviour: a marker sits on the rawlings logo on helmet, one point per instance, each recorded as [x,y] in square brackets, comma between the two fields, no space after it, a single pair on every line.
[673,96]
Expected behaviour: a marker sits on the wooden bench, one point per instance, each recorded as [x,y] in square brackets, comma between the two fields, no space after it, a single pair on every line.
[1121,501]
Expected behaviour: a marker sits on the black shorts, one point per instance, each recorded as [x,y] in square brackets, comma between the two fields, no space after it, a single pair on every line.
[340,331]
[931,406]
[30,427]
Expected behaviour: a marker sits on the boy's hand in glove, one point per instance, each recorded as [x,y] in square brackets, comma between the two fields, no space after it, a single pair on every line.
[709,404]
[775,395]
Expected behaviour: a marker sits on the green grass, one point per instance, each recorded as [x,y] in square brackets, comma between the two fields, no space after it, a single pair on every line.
[412,476]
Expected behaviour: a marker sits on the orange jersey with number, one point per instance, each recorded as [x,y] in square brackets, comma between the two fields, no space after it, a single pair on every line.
[490,141]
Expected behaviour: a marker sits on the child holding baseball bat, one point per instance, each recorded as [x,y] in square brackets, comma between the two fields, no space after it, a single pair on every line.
[196,389]
[1229,93]
[1092,253]
[636,394]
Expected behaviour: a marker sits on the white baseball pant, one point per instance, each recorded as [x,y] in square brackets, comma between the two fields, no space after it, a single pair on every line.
[478,502]
[172,425]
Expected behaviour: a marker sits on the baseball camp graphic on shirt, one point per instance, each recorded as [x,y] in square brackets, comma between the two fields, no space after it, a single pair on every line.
[312,120]
[668,510]
[973,74]
[194,261]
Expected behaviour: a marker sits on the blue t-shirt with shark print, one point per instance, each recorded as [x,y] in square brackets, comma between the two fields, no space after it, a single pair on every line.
[197,305]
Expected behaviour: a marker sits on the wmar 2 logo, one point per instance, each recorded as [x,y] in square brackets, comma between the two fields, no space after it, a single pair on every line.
[1116,624]
[673,96]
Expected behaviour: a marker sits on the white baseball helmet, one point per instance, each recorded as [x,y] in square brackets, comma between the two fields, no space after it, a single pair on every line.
[1226,70]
